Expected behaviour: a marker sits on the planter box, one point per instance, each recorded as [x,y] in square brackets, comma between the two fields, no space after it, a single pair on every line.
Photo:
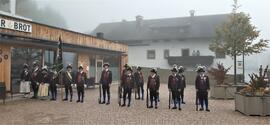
[223,92]
[252,105]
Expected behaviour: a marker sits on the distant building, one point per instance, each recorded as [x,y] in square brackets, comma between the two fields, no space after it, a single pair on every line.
[164,42]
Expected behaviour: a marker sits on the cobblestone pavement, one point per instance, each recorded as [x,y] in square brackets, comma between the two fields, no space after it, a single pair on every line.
[45,112]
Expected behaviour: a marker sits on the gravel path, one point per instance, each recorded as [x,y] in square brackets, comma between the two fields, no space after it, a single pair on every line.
[45,112]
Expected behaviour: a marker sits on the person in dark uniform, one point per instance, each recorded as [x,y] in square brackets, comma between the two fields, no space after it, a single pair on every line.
[153,86]
[80,81]
[202,87]
[25,80]
[174,87]
[106,81]
[68,80]
[126,66]
[53,85]
[35,78]
[44,83]
[182,79]
[127,84]
[139,82]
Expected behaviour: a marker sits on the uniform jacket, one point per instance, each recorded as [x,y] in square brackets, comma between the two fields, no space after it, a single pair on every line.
[128,81]
[202,83]
[36,75]
[25,75]
[106,77]
[68,78]
[153,83]
[174,83]
[138,76]
[80,78]
[182,79]
[55,79]
[46,78]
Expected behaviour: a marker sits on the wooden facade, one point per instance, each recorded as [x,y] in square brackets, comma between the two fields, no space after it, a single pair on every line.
[50,35]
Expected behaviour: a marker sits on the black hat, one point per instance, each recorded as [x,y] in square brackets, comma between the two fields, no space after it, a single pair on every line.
[200,69]
[126,66]
[80,67]
[129,69]
[181,69]
[174,70]
[35,63]
[69,66]
[153,70]
[45,68]
[25,66]
[106,64]
[139,68]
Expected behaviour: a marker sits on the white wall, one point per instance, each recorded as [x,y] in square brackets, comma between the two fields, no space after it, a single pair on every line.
[138,54]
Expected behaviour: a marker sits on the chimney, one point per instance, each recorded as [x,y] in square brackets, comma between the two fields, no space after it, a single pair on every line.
[100,35]
[139,20]
[192,13]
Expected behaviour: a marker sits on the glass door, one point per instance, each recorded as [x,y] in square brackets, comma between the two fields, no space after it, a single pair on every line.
[99,67]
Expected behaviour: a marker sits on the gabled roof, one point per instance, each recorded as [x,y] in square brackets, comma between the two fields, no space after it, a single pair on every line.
[163,29]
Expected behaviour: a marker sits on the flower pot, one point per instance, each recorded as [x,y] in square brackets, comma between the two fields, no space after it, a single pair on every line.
[223,92]
[252,105]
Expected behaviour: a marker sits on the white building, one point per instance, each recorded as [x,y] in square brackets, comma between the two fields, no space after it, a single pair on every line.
[164,42]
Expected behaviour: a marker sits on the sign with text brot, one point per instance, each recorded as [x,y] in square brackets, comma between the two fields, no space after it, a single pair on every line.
[14,25]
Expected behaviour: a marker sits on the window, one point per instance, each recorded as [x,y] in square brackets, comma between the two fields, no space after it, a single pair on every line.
[5,6]
[185,52]
[49,57]
[220,55]
[151,54]
[70,58]
[19,56]
[166,53]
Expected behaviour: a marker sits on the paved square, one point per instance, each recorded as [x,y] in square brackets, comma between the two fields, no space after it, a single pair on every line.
[38,112]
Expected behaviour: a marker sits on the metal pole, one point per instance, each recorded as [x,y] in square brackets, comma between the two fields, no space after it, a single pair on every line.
[243,66]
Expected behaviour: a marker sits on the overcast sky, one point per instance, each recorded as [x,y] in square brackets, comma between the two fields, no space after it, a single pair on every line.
[85,15]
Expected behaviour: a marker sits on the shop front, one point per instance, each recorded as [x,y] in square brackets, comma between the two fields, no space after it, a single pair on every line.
[40,42]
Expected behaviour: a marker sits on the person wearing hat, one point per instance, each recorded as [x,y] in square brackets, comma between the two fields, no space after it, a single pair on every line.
[127,84]
[106,81]
[44,83]
[202,87]
[80,82]
[174,87]
[182,79]
[25,80]
[124,70]
[35,78]
[68,80]
[139,81]
[153,84]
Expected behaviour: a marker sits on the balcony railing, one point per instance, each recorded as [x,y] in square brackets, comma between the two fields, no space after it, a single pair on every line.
[191,61]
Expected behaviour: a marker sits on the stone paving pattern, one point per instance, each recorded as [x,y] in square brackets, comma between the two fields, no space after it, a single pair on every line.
[45,112]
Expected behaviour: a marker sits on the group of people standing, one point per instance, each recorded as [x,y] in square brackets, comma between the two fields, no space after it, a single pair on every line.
[42,80]
[134,82]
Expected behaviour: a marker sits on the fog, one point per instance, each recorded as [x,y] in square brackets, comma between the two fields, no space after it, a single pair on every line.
[85,15]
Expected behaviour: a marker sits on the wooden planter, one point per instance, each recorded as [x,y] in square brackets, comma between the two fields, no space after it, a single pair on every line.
[252,105]
[223,92]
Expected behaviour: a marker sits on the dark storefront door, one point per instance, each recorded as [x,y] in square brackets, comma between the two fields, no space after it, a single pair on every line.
[99,67]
